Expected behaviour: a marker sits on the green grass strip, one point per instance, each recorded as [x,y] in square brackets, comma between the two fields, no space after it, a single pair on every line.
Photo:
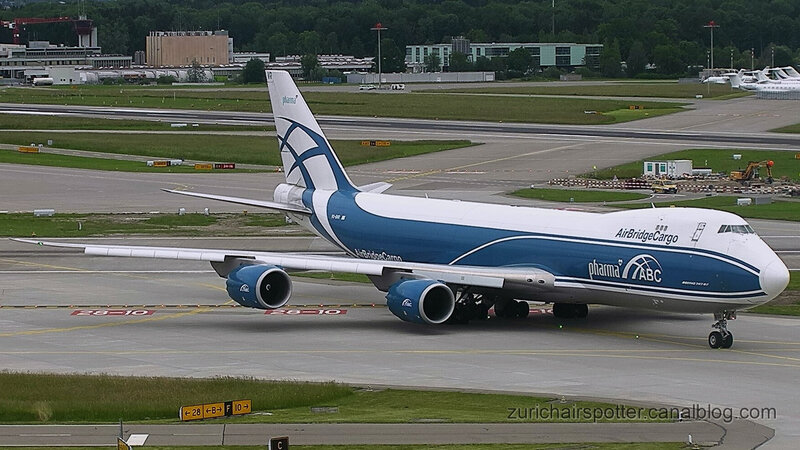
[779,306]
[83,225]
[42,122]
[219,148]
[778,310]
[373,104]
[778,210]
[659,90]
[578,196]
[788,129]
[44,398]
[86,162]
[719,160]
[334,276]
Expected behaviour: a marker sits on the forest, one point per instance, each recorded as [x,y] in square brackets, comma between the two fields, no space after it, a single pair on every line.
[669,34]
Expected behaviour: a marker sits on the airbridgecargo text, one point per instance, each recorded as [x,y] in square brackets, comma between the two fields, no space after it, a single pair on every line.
[647,236]
[382,256]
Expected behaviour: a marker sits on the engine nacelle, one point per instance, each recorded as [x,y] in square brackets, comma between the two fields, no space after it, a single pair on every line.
[421,301]
[259,286]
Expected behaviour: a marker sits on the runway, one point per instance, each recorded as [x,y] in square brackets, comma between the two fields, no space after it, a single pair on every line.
[189,327]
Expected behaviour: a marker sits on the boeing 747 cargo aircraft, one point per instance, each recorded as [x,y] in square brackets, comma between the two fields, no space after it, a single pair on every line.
[451,261]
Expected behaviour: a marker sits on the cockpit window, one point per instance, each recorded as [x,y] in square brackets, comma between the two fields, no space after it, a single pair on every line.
[741,229]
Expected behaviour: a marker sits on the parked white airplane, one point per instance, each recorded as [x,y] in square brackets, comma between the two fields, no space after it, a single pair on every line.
[791,72]
[782,73]
[764,83]
[450,261]
[722,79]
[781,80]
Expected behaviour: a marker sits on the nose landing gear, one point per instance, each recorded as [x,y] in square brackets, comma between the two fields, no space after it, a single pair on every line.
[722,338]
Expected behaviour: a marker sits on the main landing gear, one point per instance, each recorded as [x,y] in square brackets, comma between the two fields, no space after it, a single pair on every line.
[475,306]
[722,338]
[469,306]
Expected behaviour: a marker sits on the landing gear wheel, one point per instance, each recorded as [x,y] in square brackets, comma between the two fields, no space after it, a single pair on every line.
[727,341]
[715,339]
[581,311]
[722,338]
[522,309]
[563,311]
[505,308]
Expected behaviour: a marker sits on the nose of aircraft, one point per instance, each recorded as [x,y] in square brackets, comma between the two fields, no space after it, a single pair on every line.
[774,278]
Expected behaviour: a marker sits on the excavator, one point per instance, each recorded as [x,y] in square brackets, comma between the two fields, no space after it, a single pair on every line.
[751,171]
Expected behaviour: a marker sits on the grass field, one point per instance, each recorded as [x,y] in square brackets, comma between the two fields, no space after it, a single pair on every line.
[43,398]
[219,148]
[635,89]
[790,129]
[334,276]
[78,225]
[41,122]
[568,446]
[577,196]
[778,310]
[86,162]
[409,105]
[778,210]
[788,303]
[719,160]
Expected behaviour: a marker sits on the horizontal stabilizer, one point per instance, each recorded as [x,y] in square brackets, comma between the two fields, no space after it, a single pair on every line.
[375,188]
[245,201]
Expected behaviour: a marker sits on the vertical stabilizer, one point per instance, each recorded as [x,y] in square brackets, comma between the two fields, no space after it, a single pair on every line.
[736,79]
[308,159]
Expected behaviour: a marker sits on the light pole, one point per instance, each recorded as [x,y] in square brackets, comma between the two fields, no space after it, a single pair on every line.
[773,57]
[553,7]
[711,25]
[378,27]
[752,58]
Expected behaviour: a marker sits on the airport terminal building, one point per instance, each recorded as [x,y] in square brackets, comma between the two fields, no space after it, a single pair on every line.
[562,55]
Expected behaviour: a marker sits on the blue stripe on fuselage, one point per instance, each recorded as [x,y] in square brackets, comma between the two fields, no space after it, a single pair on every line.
[659,268]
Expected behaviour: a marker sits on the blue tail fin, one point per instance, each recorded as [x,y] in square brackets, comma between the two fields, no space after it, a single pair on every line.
[308,159]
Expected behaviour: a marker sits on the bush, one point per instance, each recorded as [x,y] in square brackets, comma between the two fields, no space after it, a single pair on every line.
[166,79]
[113,81]
[586,72]
[552,72]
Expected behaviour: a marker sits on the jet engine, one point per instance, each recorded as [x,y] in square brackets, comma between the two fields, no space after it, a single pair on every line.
[421,301]
[259,286]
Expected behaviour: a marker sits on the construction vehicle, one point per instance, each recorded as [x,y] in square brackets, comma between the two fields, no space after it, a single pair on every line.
[751,172]
[664,187]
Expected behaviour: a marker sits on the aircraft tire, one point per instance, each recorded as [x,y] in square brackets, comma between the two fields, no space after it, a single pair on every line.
[715,339]
[504,308]
[727,341]
[523,309]
[563,311]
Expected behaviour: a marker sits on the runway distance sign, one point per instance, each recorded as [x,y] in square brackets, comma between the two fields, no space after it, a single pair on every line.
[213,410]
[112,312]
[306,312]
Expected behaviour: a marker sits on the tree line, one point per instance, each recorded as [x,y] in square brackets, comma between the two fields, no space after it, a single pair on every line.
[669,35]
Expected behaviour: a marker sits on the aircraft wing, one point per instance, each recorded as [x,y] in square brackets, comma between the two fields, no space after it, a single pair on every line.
[386,272]
[245,201]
